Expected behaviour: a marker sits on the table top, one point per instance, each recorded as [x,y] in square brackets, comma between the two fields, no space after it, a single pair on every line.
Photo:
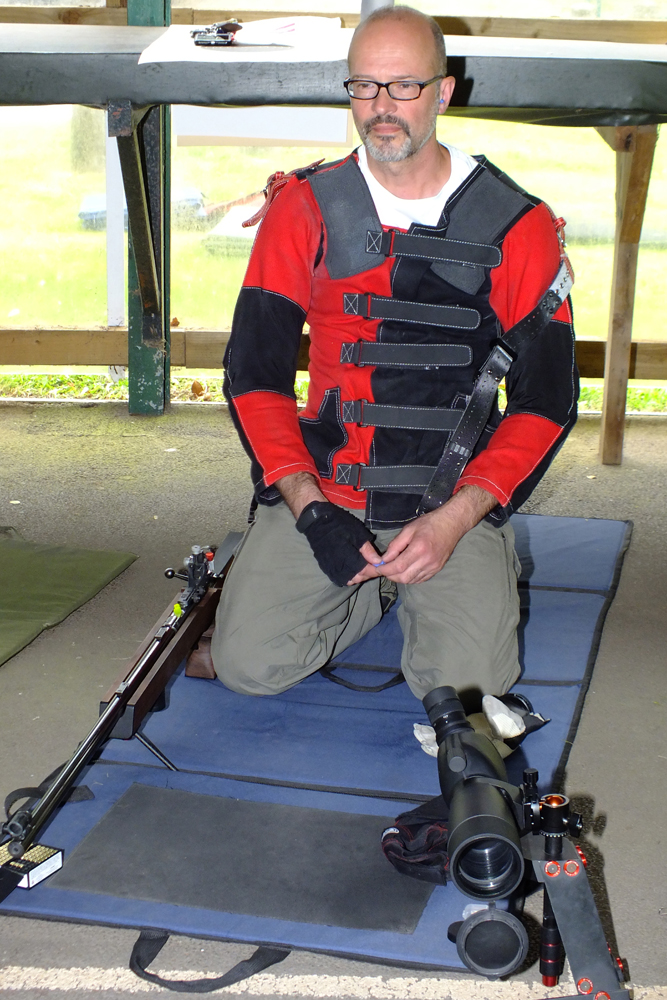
[539,81]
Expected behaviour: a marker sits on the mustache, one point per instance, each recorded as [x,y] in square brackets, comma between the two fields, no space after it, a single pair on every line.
[385,120]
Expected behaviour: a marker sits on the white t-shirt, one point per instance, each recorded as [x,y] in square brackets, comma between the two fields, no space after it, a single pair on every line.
[400,213]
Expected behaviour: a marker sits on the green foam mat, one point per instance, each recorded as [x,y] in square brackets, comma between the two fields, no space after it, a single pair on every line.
[40,585]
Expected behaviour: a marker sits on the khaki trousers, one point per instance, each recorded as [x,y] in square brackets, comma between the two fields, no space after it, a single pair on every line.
[281,619]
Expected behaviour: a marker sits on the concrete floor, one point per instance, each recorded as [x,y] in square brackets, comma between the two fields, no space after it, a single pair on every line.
[91,475]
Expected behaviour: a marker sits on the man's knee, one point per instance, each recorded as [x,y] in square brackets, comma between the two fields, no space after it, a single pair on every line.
[254,668]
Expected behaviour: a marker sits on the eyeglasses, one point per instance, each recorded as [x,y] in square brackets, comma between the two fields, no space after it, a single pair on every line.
[398,90]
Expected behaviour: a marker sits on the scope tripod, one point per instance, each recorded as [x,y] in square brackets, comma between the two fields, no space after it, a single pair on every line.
[495,943]
[571,923]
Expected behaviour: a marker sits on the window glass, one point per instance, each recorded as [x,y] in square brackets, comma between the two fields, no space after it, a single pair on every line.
[52,240]
[623,10]
[53,3]
[210,251]
[322,8]
[574,171]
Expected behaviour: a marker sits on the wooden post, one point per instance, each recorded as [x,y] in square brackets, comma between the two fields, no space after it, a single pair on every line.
[634,146]
[149,362]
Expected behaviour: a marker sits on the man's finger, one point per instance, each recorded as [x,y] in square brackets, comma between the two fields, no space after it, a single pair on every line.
[370,554]
[397,545]
[369,572]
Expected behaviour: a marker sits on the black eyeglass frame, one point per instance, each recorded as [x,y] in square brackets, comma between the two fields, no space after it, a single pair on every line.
[387,85]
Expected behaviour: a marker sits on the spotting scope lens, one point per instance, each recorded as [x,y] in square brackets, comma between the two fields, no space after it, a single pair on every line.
[487,868]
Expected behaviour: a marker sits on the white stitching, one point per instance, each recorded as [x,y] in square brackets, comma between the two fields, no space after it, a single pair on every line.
[328,491]
[273,392]
[373,242]
[258,288]
[422,364]
[453,260]
[318,420]
[468,481]
[429,305]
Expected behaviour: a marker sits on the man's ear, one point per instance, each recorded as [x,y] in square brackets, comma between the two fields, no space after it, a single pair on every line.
[446,91]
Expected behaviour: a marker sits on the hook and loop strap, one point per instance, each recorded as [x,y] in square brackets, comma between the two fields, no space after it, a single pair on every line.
[150,942]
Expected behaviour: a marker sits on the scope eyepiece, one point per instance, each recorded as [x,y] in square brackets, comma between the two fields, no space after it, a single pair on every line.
[445,712]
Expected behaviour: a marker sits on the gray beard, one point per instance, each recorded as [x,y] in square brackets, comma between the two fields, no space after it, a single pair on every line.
[383,151]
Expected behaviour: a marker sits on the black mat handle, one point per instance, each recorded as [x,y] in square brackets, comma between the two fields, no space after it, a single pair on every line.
[328,672]
[150,942]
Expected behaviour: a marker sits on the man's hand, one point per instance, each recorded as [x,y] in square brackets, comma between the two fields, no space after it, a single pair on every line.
[335,536]
[424,545]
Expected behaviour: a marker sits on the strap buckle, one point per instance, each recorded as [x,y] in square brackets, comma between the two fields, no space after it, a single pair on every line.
[357,304]
[380,242]
[350,475]
[353,411]
[350,353]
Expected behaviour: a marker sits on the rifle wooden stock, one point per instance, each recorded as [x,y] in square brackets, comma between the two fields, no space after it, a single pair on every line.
[148,692]
[198,620]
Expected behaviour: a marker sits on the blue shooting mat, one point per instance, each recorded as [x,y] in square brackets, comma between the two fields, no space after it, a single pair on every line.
[321,746]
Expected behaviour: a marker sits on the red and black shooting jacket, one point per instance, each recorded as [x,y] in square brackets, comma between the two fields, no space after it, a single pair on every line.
[322,258]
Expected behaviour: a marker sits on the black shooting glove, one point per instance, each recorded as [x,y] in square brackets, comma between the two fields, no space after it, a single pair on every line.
[335,536]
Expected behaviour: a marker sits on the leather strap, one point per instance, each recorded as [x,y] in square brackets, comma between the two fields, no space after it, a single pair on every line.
[416,418]
[363,352]
[150,942]
[394,478]
[404,311]
[395,244]
[460,447]
[462,442]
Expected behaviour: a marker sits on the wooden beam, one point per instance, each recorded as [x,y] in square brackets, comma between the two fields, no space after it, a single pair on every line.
[63,347]
[196,349]
[74,347]
[593,29]
[63,15]
[634,160]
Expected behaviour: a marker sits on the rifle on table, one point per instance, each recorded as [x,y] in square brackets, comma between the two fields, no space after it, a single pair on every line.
[128,702]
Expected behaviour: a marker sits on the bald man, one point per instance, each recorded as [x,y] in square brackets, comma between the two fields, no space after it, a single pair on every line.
[425,276]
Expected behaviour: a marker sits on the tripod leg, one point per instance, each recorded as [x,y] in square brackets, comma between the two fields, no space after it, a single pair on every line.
[578,922]
[551,946]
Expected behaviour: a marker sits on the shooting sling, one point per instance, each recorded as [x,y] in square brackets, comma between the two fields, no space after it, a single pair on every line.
[472,423]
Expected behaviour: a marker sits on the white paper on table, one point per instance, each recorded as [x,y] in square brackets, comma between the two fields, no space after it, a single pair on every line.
[269,40]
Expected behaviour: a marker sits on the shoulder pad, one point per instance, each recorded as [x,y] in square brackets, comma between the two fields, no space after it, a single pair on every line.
[274,185]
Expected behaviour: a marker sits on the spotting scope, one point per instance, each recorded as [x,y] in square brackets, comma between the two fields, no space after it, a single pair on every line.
[485,854]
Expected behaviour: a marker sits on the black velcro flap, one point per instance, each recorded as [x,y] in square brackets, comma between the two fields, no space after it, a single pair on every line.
[433,248]
[366,352]
[416,418]
[404,311]
[265,859]
[393,478]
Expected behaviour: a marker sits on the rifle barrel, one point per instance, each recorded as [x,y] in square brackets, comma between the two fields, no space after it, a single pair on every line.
[34,819]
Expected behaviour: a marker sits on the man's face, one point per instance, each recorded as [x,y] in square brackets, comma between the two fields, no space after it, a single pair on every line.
[391,50]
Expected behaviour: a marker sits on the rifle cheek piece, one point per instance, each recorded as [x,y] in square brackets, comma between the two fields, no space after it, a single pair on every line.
[485,855]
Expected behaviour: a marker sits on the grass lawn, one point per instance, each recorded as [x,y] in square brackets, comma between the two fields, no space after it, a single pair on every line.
[54,272]
[207,387]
